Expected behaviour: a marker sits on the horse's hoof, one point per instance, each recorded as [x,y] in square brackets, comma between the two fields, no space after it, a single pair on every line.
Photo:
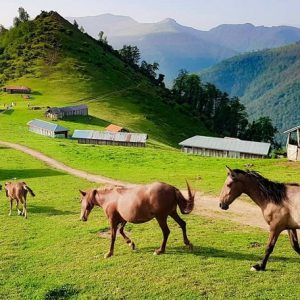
[158,252]
[107,255]
[256,268]
[132,245]
[20,213]
[190,246]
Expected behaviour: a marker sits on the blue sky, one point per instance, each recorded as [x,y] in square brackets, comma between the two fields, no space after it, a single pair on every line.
[201,14]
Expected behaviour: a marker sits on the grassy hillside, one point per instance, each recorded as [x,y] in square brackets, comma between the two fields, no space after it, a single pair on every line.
[64,66]
[267,82]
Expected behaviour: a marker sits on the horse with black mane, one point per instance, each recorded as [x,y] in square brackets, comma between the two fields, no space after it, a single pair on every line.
[139,204]
[18,191]
[279,202]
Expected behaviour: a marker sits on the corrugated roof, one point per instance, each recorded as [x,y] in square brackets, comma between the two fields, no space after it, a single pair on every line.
[47,125]
[227,144]
[113,128]
[110,136]
[67,108]
[292,129]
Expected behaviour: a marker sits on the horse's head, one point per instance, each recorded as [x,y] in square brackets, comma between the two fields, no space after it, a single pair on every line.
[232,189]
[87,203]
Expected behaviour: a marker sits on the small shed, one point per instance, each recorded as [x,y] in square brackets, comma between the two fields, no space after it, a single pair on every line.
[293,143]
[110,138]
[67,111]
[17,90]
[225,147]
[115,128]
[47,128]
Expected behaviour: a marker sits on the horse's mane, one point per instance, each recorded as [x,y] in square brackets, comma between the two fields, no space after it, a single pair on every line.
[271,190]
[109,188]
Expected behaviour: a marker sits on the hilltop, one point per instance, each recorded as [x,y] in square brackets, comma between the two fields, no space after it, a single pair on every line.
[64,66]
[267,82]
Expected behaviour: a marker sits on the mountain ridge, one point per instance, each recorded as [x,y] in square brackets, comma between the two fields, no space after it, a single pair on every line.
[223,41]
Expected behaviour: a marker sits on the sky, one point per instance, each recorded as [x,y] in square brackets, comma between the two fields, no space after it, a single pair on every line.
[200,14]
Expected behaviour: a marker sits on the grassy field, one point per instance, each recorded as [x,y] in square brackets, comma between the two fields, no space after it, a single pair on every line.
[155,162]
[52,255]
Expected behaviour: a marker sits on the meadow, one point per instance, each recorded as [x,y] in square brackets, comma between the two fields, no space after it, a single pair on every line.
[52,255]
[158,161]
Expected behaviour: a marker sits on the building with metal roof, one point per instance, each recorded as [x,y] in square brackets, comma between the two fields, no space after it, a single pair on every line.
[67,111]
[293,143]
[110,138]
[224,147]
[47,128]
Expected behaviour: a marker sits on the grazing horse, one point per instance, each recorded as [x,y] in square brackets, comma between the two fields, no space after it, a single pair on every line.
[279,203]
[18,191]
[139,204]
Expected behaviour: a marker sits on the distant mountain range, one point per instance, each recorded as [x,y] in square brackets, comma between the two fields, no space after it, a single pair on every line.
[176,47]
[267,82]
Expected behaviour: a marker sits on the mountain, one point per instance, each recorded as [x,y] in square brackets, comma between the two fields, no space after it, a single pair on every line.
[267,82]
[176,47]
[247,37]
[172,45]
[64,66]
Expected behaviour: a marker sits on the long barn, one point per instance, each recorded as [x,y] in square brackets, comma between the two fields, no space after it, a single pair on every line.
[47,128]
[110,138]
[225,147]
[67,111]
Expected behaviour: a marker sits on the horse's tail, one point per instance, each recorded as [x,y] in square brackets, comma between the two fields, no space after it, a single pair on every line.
[27,188]
[185,205]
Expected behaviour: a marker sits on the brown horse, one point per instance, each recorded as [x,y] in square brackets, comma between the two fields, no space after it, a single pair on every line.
[279,202]
[18,191]
[139,204]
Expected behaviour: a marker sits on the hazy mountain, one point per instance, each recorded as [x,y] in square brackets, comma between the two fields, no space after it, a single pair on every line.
[176,47]
[247,37]
[172,45]
[267,82]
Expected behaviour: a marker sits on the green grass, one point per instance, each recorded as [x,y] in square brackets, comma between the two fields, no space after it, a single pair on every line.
[53,254]
[155,162]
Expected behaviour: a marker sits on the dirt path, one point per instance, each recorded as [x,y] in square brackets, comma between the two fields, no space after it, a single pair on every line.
[240,211]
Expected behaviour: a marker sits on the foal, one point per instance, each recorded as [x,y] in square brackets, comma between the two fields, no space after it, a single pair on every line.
[138,205]
[279,202]
[18,191]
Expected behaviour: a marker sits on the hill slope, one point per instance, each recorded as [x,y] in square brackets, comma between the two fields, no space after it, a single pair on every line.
[177,47]
[268,83]
[63,66]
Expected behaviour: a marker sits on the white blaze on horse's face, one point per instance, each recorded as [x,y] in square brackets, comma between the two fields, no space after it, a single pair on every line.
[231,190]
[86,206]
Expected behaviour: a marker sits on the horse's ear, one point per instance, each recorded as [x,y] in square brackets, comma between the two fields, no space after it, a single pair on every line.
[82,193]
[231,173]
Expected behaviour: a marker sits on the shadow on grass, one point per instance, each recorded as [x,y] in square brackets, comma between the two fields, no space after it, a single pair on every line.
[27,173]
[49,210]
[37,93]
[88,120]
[207,252]
[65,291]
[9,112]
